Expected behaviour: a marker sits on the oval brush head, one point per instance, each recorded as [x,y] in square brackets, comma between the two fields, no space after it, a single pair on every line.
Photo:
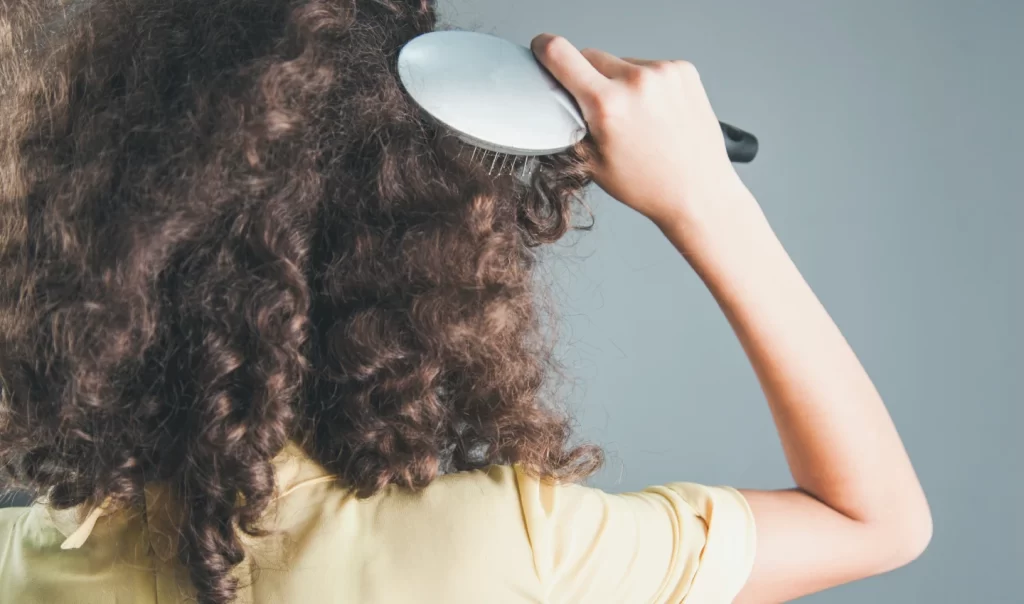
[491,93]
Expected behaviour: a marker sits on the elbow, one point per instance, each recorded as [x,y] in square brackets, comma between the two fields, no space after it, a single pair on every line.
[920,528]
[908,538]
[919,539]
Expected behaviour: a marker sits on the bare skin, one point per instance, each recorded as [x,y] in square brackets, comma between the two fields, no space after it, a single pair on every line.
[858,508]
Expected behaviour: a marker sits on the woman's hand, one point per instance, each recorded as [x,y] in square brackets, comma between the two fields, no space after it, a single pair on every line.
[659,147]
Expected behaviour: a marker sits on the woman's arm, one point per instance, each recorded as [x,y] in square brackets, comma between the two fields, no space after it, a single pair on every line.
[859,509]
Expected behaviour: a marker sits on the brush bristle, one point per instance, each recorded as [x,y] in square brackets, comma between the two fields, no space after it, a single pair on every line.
[495,163]
[500,164]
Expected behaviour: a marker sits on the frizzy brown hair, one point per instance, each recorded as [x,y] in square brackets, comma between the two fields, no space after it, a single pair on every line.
[224,226]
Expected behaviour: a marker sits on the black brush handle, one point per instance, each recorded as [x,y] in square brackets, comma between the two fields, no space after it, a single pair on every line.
[740,144]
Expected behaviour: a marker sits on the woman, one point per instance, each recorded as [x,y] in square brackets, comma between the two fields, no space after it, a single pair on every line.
[268,336]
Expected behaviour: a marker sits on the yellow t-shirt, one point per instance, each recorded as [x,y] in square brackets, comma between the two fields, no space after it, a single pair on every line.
[494,536]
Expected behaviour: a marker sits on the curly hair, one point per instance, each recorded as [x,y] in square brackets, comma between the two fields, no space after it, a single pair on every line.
[223,226]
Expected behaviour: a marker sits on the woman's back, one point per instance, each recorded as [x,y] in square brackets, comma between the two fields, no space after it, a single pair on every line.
[493,535]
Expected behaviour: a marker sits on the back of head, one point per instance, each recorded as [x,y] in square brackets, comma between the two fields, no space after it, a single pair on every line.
[223,226]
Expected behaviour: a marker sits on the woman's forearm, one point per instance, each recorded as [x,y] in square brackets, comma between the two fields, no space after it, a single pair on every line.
[839,440]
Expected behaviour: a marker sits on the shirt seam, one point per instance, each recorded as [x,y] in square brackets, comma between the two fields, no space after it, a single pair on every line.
[529,536]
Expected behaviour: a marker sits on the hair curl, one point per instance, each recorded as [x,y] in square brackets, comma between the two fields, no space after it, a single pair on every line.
[223,226]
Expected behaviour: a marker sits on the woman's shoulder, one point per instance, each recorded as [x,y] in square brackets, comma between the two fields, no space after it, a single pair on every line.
[25,540]
[468,524]
[11,521]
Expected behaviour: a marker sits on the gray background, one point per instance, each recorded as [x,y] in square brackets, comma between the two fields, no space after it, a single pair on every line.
[892,143]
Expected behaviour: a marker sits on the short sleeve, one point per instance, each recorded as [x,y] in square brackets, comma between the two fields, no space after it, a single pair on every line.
[679,543]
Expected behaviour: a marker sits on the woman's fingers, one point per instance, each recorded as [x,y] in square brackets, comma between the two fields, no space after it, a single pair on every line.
[568,65]
[608,64]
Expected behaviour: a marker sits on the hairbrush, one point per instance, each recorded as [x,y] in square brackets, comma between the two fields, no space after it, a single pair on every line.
[494,95]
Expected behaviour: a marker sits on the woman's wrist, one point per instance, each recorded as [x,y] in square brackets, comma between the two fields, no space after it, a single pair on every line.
[726,233]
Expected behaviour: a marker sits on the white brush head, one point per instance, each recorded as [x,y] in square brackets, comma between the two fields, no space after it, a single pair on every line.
[490,92]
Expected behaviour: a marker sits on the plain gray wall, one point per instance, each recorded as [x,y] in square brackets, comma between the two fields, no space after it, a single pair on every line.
[892,147]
